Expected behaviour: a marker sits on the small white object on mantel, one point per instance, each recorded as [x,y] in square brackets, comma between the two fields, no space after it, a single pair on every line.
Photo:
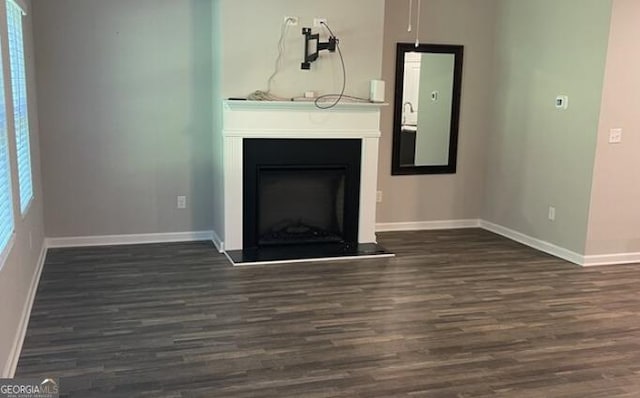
[377,91]
[298,120]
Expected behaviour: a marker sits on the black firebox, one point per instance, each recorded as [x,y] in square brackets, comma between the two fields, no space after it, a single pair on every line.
[301,192]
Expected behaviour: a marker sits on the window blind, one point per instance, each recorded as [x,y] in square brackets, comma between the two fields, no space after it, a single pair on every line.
[20,107]
[6,202]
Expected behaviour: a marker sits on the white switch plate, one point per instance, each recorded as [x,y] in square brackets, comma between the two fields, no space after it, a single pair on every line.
[552,213]
[379,197]
[317,22]
[182,202]
[615,136]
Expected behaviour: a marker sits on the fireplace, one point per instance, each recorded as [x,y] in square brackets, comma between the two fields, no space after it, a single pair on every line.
[299,183]
[299,205]
[301,192]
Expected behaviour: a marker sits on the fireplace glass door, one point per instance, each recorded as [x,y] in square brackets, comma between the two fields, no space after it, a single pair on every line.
[301,205]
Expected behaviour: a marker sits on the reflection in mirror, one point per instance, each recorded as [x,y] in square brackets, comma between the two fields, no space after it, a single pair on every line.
[427,107]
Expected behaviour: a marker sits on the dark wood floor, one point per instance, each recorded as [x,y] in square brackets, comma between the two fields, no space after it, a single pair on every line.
[456,314]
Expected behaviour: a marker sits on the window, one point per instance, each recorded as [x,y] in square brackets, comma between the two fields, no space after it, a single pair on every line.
[6,202]
[20,109]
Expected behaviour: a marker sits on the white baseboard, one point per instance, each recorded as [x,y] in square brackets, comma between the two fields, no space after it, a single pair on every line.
[611,259]
[427,225]
[561,252]
[535,243]
[519,237]
[10,367]
[219,244]
[114,240]
[12,364]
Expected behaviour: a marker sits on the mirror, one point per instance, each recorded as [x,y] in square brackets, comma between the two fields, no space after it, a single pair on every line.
[427,109]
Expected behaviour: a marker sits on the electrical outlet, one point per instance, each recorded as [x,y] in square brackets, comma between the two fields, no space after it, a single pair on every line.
[317,22]
[182,202]
[562,102]
[379,197]
[615,136]
[291,21]
[552,213]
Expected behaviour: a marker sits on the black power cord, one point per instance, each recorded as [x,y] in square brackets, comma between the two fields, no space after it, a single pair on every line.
[344,78]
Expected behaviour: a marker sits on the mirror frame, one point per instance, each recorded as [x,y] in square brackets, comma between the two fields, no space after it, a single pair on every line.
[451,167]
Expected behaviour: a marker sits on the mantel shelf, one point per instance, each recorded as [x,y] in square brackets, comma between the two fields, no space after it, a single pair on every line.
[300,105]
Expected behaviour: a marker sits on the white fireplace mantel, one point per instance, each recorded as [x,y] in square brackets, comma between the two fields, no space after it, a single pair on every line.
[298,120]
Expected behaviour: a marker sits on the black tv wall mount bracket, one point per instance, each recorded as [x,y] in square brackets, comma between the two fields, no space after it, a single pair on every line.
[330,45]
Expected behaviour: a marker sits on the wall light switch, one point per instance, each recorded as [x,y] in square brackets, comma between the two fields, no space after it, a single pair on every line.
[552,213]
[379,197]
[615,136]
[182,202]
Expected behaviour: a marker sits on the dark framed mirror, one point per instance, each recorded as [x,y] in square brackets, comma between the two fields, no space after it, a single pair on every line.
[427,108]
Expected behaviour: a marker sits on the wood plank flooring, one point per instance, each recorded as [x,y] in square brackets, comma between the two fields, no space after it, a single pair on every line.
[456,314]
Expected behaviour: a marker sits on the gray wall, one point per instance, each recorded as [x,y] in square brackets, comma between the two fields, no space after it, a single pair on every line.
[250,33]
[17,274]
[118,146]
[614,224]
[539,156]
[217,143]
[126,115]
[442,197]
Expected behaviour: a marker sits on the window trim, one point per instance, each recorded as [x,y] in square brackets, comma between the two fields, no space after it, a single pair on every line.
[7,250]
[25,213]
[4,255]
[22,6]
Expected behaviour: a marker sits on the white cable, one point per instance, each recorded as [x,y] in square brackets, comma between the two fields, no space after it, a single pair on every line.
[418,27]
[260,95]
[410,15]
[281,50]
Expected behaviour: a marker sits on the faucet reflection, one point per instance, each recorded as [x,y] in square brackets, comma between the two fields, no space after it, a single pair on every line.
[404,111]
